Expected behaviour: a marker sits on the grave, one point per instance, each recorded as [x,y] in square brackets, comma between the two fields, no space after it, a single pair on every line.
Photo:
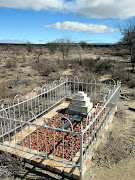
[56,128]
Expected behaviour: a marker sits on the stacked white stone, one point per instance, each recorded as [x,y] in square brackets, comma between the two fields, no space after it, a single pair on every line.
[80,103]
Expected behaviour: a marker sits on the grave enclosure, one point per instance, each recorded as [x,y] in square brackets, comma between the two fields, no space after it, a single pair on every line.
[54,128]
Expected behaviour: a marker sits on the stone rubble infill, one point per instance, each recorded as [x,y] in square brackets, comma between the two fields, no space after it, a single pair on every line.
[48,142]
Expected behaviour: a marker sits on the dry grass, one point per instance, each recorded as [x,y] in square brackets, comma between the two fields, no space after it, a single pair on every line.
[11,64]
[9,165]
[21,61]
[114,150]
[121,115]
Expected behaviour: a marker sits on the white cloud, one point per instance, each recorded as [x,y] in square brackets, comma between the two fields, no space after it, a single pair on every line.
[88,8]
[80,27]
[103,8]
[33,4]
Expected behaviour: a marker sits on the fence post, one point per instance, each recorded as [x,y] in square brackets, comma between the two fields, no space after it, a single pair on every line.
[117,94]
[81,156]
[66,86]
[119,84]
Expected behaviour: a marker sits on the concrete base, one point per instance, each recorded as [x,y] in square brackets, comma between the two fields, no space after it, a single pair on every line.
[80,109]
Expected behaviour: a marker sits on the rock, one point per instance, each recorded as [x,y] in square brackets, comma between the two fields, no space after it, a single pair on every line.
[131,109]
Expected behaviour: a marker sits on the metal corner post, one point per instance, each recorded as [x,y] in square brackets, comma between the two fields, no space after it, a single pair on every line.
[118,96]
[66,87]
[81,156]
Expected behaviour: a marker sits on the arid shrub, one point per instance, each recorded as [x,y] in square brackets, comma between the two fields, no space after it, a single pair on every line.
[83,44]
[120,72]
[89,64]
[9,165]
[4,91]
[44,69]
[10,64]
[104,67]
[86,76]
[62,64]
[52,47]
[131,83]
[114,150]
[98,58]
[29,47]
[85,64]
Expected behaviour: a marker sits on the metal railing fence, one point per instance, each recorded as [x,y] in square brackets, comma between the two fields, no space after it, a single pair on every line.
[96,123]
[28,108]
[24,113]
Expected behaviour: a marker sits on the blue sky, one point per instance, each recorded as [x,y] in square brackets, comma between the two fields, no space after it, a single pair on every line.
[42,21]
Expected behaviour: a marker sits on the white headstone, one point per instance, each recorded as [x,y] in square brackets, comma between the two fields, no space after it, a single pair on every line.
[80,103]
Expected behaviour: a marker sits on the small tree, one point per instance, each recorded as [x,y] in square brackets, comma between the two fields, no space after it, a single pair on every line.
[29,46]
[64,46]
[52,46]
[128,37]
[79,51]
[40,52]
[83,44]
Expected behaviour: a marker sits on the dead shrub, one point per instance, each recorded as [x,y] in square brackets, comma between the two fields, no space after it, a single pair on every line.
[76,66]
[29,47]
[120,73]
[121,115]
[10,64]
[85,64]
[9,165]
[44,69]
[89,64]
[63,64]
[4,91]
[86,76]
[131,83]
[104,67]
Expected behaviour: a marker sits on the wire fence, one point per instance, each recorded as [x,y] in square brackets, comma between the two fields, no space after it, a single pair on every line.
[51,139]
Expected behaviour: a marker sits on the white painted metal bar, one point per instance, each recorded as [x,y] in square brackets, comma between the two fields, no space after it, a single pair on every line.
[18,115]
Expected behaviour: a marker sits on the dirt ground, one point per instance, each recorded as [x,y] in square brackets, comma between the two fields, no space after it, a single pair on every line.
[115,156]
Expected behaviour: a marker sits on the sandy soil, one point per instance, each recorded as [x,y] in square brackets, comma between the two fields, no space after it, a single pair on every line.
[67,72]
